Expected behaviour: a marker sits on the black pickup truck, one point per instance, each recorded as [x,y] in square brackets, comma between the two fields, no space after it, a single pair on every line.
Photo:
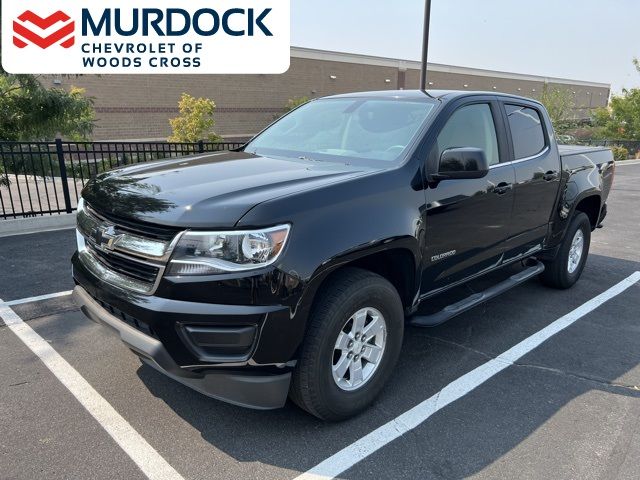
[290,266]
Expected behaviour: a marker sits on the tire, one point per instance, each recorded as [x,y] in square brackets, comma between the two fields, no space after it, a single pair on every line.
[560,273]
[313,385]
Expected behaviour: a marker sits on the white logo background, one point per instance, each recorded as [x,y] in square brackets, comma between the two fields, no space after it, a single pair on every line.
[220,53]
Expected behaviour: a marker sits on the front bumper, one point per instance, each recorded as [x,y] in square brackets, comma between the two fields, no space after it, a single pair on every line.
[261,391]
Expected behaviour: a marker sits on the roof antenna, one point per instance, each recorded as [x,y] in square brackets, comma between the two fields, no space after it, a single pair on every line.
[425,44]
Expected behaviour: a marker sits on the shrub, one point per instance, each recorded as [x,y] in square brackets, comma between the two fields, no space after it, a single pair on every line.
[620,153]
[294,103]
[195,122]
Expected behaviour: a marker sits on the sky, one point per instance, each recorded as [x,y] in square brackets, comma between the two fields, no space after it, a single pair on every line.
[590,40]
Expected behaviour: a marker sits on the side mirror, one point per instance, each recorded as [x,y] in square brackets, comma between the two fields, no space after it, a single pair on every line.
[461,163]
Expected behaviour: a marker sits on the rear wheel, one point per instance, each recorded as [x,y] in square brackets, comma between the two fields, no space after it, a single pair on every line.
[565,270]
[351,346]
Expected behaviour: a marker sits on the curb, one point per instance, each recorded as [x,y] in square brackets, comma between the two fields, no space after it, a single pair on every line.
[23,226]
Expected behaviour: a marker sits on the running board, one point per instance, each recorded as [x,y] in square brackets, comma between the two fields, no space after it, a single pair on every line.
[476,299]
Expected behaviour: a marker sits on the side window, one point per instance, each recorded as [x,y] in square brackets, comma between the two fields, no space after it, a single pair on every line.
[470,126]
[526,131]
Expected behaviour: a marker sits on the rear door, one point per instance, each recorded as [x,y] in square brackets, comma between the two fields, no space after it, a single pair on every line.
[467,221]
[536,164]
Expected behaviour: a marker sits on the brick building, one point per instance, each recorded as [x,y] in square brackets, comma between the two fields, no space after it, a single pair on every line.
[139,106]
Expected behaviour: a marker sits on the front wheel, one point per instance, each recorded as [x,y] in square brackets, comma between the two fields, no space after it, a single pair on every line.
[351,346]
[565,270]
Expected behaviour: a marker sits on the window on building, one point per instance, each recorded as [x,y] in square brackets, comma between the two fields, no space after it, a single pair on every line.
[526,131]
[470,126]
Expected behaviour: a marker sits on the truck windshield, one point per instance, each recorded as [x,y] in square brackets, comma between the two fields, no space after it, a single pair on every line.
[348,130]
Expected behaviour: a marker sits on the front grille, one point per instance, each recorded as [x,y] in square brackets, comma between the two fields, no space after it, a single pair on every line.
[140,271]
[127,257]
[144,229]
[128,319]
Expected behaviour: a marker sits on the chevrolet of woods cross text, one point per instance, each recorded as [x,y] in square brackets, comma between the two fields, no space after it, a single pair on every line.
[290,267]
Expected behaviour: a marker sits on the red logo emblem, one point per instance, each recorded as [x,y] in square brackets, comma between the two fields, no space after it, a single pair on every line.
[24,35]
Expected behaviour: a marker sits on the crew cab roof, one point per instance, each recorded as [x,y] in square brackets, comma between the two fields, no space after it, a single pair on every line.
[445,95]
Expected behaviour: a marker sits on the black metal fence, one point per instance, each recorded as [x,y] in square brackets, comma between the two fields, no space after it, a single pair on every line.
[45,178]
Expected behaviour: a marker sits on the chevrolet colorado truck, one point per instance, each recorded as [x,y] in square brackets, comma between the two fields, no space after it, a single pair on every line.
[291,266]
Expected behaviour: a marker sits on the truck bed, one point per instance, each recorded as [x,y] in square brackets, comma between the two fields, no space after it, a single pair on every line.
[568,150]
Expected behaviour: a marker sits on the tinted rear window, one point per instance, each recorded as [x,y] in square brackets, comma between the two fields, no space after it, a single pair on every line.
[526,131]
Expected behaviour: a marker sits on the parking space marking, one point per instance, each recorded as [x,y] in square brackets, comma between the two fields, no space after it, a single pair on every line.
[134,445]
[365,446]
[37,298]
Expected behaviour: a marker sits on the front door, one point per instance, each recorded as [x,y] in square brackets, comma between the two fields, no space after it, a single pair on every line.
[467,221]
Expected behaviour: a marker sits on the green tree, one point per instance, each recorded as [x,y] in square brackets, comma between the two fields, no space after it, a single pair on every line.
[195,121]
[31,112]
[621,119]
[559,103]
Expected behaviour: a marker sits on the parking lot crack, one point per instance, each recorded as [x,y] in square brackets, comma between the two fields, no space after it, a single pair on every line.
[461,345]
[18,384]
[602,381]
[599,380]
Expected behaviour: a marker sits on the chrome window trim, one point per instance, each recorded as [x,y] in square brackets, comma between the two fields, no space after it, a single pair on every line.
[544,151]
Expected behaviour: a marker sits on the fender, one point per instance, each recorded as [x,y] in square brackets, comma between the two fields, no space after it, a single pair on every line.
[580,180]
[331,227]
[304,304]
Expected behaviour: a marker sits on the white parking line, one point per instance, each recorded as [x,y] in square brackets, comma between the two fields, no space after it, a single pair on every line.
[144,455]
[362,448]
[36,299]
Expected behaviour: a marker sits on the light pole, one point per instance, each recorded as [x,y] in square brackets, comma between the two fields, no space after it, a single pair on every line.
[425,44]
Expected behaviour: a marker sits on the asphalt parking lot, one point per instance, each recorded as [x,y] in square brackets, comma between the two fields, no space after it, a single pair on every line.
[567,408]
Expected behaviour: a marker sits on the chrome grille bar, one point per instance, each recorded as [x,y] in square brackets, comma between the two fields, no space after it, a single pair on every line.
[105,235]
[119,257]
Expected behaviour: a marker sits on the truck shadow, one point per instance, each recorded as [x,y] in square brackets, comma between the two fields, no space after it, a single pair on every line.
[596,353]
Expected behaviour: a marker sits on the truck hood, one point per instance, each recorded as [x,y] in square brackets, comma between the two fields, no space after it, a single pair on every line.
[207,191]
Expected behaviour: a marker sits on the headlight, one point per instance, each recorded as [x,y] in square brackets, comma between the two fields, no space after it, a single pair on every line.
[207,253]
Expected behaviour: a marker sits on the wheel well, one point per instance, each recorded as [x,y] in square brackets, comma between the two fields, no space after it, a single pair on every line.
[396,265]
[590,206]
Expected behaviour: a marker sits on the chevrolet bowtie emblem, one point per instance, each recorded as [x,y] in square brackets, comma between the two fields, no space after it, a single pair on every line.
[105,237]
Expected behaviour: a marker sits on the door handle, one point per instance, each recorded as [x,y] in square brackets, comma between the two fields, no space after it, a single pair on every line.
[550,176]
[502,188]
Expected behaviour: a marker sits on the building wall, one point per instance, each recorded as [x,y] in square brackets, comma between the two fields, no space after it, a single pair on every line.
[139,106]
